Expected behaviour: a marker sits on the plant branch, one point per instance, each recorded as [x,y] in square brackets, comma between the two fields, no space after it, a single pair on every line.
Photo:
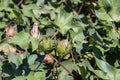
[55,34]
[118,33]
[68,71]
[4,60]
[80,8]
[93,13]
[20,2]
[73,59]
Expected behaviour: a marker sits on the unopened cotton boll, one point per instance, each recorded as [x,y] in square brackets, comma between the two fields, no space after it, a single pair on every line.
[10,31]
[48,59]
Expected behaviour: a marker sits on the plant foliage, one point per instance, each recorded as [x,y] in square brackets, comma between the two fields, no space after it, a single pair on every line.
[59,39]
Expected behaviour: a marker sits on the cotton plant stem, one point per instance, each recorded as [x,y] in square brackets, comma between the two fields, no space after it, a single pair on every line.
[54,35]
[19,2]
[80,8]
[73,59]
[68,71]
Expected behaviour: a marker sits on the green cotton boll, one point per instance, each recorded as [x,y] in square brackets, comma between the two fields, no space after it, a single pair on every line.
[60,48]
[63,47]
[46,44]
[68,48]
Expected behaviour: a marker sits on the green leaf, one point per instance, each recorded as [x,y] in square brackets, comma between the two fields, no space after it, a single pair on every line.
[39,2]
[101,74]
[53,15]
[1,33]
[115,43]
[34,42]
[25,20]
[107,68]
[84,67]
[98,51]
[115,11]
[50,32]
[75,1]
[36,76]
[63,75]
[101,14]
[79,37]
[39,76]
[4,3]
[117,74]
[31,59]
[21,39]
[24,55]
[95,35]
[109,10]
[37,13]
[30,6]
[113,34]
[45,21]
[107,4]
[28,13]
[2,14]
[8,69]
[37,66]
[30,76]
[87,63]
[28,9]
[64,20]
[19,78]
[2,25]
[14,59]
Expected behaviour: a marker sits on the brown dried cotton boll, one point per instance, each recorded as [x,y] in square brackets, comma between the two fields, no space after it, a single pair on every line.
[35,32]
[10,31]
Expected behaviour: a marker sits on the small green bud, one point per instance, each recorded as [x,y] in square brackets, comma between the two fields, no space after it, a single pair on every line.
[90,55]
[85,56]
